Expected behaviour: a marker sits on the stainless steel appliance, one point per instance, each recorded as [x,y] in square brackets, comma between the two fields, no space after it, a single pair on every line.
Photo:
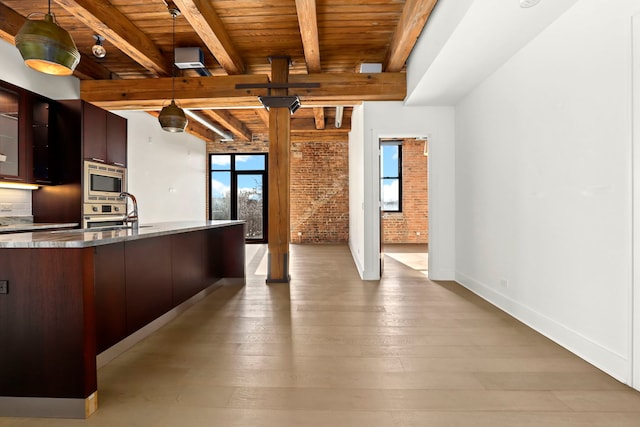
[103,186]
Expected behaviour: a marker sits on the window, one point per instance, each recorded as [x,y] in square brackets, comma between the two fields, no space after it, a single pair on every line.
[391,176]
[237,191]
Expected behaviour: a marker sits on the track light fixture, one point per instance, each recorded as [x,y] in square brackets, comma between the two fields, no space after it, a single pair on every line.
[172,117]
[98,49]
[46,47]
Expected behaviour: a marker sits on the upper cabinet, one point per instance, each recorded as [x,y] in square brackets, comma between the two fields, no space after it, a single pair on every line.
[104,136]
[44,153]
[12,134]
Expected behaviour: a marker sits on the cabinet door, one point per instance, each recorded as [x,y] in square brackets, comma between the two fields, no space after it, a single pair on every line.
[110,297]
[12,144]
[43,161]
[148,276]
[188,264]
[116,140]
[94,133]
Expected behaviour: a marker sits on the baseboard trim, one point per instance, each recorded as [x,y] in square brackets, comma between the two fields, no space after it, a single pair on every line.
[48,407]
[601,357]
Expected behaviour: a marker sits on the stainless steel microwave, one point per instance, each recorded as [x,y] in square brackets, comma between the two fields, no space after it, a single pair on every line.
[103,182]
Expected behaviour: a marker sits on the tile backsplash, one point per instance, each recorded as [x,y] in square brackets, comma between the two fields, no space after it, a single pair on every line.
[15,203]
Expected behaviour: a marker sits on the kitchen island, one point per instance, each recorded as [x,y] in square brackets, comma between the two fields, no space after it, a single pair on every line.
[76,294]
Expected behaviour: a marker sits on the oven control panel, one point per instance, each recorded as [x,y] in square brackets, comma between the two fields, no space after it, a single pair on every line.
[104,209]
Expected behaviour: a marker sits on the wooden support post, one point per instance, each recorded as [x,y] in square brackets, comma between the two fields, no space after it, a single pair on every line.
[279,148]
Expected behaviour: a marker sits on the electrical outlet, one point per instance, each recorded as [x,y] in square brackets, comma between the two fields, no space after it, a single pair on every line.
[4,286]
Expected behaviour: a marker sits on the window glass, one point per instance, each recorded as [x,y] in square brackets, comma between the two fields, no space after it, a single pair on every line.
[390,176]
[220,195]
[250,162]
[220,162]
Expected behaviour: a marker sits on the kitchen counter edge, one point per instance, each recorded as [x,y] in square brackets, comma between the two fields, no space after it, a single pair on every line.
[81,238]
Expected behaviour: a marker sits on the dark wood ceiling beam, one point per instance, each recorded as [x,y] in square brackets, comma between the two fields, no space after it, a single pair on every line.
[318,116]
[103,18]
[227,120]
[207,24]
[308,23]
[220,91]
[11,22]
[413,19]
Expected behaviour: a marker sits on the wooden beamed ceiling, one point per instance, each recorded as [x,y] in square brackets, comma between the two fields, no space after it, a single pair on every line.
[326,40]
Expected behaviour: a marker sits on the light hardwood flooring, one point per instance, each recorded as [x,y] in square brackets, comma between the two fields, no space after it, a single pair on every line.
[331,350]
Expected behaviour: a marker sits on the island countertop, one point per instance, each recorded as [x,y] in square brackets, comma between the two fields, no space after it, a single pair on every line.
[80,238]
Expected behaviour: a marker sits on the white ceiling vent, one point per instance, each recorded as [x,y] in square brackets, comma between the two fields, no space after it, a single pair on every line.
[189,57]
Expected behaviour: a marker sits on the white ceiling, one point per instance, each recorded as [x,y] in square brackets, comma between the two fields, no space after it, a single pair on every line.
[465,41]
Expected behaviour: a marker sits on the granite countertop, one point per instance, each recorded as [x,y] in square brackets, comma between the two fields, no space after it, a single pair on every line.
[80,238]
[34,226]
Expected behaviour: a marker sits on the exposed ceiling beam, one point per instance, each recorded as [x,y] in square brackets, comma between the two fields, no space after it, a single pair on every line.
[207,24]
[413,19]
[227,120]
[221,92]
[11,22]
[263,114]
[318,115]
[308,23]
[103,18]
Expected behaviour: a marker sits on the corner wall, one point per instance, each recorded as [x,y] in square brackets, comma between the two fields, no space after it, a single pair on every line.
[375,120]
[543,185]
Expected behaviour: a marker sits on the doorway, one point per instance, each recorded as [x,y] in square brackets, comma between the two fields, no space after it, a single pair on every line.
[237,191]
[404,212]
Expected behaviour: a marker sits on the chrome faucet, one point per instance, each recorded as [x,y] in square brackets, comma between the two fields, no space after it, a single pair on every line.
[132,217]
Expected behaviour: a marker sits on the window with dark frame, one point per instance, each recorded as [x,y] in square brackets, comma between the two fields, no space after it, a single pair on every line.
[391,175]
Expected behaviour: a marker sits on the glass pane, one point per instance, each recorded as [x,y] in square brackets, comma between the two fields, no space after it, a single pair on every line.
[390,195]
[220,162]
[9,133]
[250,204]
[250,162]
[390,160]
[220,195]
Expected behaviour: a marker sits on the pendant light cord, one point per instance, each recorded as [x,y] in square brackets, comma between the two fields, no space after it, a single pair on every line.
[173,63]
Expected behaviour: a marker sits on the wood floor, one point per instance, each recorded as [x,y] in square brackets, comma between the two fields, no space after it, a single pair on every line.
[332,350]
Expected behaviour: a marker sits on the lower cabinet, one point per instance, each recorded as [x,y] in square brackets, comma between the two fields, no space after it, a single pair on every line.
[148,280]
[110,295]
[137,281]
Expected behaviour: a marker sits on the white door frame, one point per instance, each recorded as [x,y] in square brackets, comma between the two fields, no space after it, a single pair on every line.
[634,347]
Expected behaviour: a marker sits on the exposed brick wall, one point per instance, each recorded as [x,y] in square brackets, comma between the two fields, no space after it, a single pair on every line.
[319,186]
[403,227]
[320,192]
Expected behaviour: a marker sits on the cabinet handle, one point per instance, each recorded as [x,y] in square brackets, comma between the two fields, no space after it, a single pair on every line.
[118,164]
[8,178]
[97,160]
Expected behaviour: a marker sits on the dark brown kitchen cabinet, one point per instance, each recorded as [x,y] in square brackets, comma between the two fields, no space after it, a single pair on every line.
[44,154]
[187,260]
[110,295]
[13,159]
[104,136]
[148,278]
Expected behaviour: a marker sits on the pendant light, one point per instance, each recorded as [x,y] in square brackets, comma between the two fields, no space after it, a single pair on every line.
[46,47]
[171,117]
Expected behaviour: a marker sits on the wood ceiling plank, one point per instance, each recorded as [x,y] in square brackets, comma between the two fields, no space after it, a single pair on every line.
[108,21]
[308,23]
[413,19]
[207,24]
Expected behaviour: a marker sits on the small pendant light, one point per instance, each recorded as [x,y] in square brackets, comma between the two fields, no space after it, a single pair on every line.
[46,47]
[172,117]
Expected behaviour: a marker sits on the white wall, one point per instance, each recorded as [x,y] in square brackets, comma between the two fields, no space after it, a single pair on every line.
[393,119]
[543,184]
[167,171]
